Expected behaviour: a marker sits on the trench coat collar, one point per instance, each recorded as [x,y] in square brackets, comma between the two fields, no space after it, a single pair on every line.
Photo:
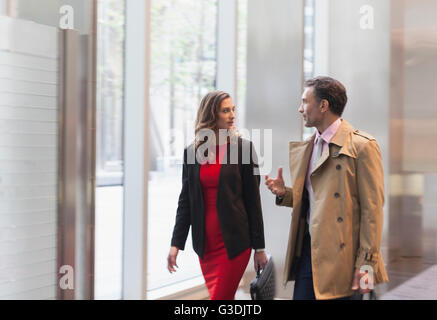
[343,139]
[302,150]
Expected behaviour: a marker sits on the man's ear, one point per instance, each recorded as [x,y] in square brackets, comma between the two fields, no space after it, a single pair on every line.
[324,105]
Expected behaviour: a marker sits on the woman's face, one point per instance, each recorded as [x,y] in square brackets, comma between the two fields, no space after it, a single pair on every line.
[226,115]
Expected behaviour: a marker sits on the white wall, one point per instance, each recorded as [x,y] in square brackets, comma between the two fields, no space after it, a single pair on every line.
[28,160]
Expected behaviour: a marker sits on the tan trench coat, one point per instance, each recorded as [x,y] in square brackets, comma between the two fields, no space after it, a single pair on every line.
[346,229]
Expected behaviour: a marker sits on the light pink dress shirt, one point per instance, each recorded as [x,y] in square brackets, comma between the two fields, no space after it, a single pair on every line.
[327,136]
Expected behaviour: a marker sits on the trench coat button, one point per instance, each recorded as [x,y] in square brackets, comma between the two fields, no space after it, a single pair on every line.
[340,219]
[338,167]
[337,195]
[342,246]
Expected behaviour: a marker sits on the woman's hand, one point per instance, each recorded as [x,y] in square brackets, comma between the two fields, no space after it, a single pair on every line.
[260,258]
[171,260]
[276,186]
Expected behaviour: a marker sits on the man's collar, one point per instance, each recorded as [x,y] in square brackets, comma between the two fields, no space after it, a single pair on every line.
[330,132]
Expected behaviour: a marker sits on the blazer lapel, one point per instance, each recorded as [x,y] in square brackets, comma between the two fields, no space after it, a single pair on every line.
[223,167]
[198,186]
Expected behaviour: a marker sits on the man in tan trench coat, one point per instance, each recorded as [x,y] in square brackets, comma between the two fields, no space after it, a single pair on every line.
[337,196]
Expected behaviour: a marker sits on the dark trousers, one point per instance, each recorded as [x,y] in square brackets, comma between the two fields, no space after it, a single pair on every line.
[303,286]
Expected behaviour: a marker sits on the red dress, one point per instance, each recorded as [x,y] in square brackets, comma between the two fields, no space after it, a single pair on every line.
[222,275]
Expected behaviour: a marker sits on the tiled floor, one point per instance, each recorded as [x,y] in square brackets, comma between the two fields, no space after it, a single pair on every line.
[422,286]
[410,279]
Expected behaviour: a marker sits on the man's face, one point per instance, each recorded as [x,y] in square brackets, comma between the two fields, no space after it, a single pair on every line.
[310,108]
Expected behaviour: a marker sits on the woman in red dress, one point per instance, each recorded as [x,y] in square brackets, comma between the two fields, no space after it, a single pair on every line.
[220,200]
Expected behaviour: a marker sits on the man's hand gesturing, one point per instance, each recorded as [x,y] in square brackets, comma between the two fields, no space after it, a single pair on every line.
[276,186]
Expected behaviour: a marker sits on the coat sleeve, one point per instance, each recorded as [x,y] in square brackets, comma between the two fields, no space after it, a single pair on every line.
[183,214]
[252,200]
[370,181]
[287,201]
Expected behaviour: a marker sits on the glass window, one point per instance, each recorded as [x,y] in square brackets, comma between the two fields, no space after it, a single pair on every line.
[109,193]
[110,84]
[183,70]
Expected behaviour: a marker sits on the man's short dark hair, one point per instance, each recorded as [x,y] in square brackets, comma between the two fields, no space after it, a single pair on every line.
[329,89]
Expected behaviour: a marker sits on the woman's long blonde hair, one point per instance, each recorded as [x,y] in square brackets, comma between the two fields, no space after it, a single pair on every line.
[207,115]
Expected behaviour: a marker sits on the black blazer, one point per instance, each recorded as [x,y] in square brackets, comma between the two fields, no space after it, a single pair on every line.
[238,205]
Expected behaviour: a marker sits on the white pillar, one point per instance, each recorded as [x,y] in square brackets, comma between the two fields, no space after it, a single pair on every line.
[136,142]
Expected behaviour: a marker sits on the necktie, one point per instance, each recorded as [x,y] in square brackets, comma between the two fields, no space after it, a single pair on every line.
[317,155]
